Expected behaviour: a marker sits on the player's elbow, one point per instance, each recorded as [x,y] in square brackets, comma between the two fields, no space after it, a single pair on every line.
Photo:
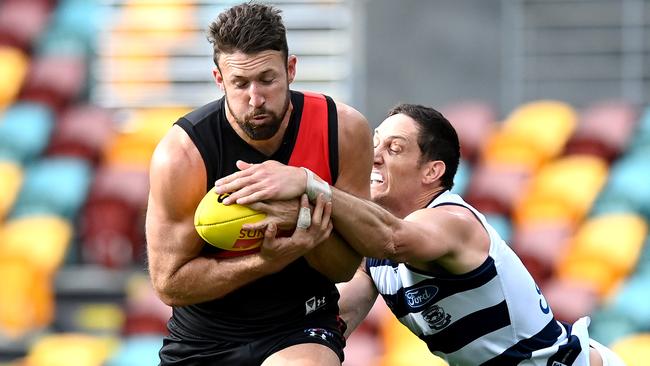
[165,290]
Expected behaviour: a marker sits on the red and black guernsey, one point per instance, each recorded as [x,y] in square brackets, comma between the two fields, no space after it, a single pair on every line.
[278,301]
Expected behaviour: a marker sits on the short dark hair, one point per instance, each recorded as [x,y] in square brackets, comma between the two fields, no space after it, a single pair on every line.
[437,138]
[250,28]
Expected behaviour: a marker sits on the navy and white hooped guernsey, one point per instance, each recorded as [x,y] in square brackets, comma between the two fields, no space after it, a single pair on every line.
[493,315]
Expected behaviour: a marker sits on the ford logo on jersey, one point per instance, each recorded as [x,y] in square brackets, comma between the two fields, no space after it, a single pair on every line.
[420,296]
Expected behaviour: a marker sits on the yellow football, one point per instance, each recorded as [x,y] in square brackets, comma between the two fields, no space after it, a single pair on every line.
[221,225]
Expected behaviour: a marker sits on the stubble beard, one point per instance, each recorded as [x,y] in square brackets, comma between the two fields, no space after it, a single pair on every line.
[259,132]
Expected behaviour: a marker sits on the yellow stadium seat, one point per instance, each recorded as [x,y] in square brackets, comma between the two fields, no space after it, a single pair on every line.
[534,209]
[570,184]
[139,135]
[634,350]
[610,244]
[71,350]
[43,240]
[403,348]
[591,273]
[13,68]
[128,150]
[26,298]
[508,149]
[11,177]
[546,124]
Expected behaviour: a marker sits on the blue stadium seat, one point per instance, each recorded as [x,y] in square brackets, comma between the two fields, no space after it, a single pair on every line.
[25,130]
[627,185]
[501,224]
[463,175]
[136,351]
[633,299]
[54,186]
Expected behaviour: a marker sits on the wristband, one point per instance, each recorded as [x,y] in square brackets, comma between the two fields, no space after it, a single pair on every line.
[315,187]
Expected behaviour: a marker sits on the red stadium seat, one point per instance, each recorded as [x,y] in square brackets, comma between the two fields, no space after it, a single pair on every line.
[82,131]
[595,134]
[55,80]
[21,22]
[474,121]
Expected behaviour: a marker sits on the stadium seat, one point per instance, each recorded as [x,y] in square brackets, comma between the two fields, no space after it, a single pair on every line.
[70,349]
[90,299]
[604,251]
[111,230]
[43,240]
[570,300]
[56,185]
[13,68]
[25,130]
[633,298]
[141,132]
[462,177]
[495,187]
[641,138]
[137,350]
[609,325]
[545,124]
[146,314]
[21,22]
[567,186]
[539,245]
[474,121]
[82,131]
[11,177]
[26,297]
[634,350]
[595,135]
[627,185]
[502,148]
[73,29]
[403,348]
[502,224]
[56,80]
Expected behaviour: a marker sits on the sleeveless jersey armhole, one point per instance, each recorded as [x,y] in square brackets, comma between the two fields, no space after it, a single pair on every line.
[188,127]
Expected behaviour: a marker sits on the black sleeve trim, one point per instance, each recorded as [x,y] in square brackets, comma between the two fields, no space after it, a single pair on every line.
[333,138]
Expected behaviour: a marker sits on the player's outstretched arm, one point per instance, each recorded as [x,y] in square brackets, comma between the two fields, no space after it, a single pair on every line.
[179,273]
[357,298]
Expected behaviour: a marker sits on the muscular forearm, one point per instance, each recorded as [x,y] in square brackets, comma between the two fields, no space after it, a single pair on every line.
[334,258]
[205,278]
[366,227]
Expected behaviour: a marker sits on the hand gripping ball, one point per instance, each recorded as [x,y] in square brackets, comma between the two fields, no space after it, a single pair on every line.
[221,225]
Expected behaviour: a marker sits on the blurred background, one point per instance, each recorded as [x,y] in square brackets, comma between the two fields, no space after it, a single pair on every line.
[551,100]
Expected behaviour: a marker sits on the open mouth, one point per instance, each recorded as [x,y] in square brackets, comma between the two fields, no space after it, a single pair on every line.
[376,177]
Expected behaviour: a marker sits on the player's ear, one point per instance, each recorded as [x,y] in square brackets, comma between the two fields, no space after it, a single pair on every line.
[291,68]
[218,78]
[433,171]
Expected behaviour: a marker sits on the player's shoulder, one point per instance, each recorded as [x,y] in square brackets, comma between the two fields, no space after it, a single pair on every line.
[349,115]
[175,151]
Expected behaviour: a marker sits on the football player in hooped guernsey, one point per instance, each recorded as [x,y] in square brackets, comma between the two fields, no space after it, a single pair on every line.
[441,268]
[277,305]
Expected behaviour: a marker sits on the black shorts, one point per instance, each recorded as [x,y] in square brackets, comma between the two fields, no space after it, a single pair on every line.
[189,352]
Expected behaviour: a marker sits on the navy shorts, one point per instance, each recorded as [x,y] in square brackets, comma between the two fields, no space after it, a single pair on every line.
[187,351]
